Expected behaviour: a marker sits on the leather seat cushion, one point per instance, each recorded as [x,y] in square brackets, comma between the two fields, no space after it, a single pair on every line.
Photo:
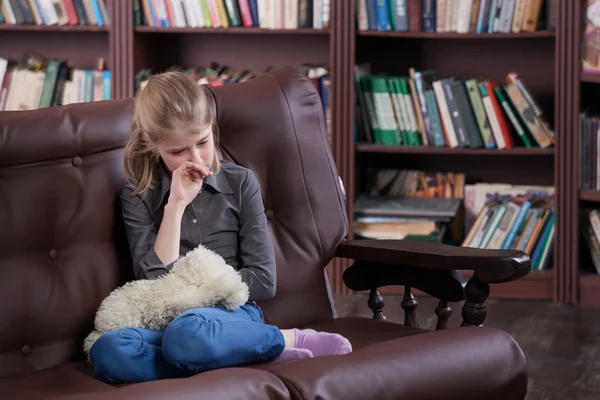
[71,378]
[468,363]
[362,332]
[227,383]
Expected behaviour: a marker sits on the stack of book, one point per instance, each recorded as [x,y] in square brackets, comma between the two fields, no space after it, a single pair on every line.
[416,183]
[37,82]
[408,204]
[460,16]
[55,12]
[422,109]
[519,218]
[266,14]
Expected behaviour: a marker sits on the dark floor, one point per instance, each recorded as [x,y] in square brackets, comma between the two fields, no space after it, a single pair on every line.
[561,342]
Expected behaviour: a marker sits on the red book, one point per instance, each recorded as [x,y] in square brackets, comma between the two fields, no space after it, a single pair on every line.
[245,12]
[415,15]
[490,85]
[71,13]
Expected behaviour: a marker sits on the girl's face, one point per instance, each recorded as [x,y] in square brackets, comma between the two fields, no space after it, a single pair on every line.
[199,149]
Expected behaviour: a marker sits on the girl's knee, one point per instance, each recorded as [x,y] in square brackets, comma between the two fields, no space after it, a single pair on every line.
[186,342]
[113,351]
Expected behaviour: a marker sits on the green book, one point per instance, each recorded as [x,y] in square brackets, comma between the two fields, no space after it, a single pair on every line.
[511,115]
[384,110]
[480,115]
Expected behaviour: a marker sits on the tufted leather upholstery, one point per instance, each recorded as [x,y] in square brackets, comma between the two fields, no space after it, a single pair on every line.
[63,249]
[60,243]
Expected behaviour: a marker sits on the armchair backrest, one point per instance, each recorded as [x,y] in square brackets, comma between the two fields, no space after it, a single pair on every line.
[62,241]
[274,125]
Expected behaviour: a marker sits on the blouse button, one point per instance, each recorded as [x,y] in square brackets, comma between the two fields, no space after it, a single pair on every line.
[195,221]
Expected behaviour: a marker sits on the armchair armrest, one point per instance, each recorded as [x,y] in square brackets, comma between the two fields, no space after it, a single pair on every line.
[433,268]
[490,266]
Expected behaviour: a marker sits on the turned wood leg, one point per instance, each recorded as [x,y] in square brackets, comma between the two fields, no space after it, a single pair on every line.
[443,311]
[376,304]
[474,311]
[409,305]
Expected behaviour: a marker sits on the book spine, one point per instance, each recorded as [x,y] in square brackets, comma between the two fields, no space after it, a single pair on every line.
[516,226]
[245,12]
[474,16]
[512,117]
[415,15]
[466,114]
[401,16]
[517,21]
[479,112]
[490,85]
[506,16]
[461,135]
[482,16]
[429,16]
[383,16]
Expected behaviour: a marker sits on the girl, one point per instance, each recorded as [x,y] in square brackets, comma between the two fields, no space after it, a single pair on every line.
[181,196]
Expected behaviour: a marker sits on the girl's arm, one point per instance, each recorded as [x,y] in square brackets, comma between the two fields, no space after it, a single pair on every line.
[256,248]
[142,236]
[166,246]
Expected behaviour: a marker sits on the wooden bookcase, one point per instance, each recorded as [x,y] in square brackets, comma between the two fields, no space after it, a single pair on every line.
[548,62]
[585,283]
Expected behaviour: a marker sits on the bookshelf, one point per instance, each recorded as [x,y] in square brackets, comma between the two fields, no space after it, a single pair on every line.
[533,55]
[585,281]
[547,61]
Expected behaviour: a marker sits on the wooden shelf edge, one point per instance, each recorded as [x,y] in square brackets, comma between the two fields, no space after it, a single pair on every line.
[53,28]
[589,289]
[454,35]
[589,195]
[382,148]
[235,30]
[590,77]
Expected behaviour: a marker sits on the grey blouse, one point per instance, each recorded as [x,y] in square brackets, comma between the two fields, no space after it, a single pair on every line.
[227,216]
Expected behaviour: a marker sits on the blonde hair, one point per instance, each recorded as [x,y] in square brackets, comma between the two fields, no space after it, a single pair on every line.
[170,102]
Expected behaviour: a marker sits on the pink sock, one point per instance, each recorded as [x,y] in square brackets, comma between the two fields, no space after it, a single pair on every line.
[290,354]
[322,343]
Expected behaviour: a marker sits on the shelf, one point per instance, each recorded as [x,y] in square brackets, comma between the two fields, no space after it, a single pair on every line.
[382,148]
[590,77]
[53,28]
[454,35]
[589,195]
[236,30]
[589,286]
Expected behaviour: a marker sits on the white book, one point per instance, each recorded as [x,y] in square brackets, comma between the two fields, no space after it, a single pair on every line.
[438,90]
[262,14]
[506,16]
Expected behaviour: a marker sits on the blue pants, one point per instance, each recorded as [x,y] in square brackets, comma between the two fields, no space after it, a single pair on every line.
[197,340]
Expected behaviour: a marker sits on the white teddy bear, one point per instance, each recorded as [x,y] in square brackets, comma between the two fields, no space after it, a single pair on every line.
[199,279]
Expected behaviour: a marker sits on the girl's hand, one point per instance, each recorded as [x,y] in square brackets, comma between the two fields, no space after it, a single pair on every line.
[187,182]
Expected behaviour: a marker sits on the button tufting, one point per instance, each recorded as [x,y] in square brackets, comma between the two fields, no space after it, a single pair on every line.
[269,214]
[53,254]
[77,161]
[26,350]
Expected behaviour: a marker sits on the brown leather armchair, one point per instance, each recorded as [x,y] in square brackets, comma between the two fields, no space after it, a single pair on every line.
[63,249]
